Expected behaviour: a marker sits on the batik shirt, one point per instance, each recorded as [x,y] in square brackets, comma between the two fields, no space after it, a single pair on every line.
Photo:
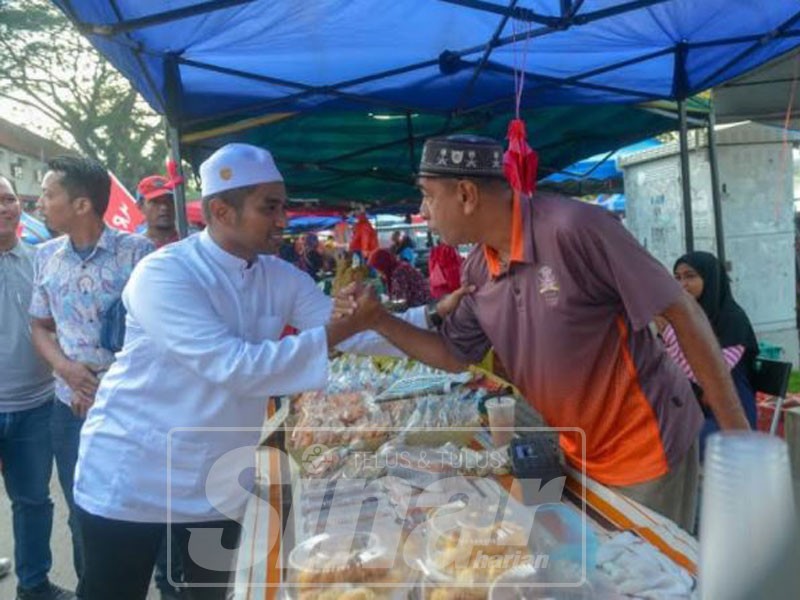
[76,293]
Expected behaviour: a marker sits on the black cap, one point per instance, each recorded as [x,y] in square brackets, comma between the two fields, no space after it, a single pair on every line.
[462,155]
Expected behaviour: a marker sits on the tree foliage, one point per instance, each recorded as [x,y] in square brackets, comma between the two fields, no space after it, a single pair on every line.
[47,66]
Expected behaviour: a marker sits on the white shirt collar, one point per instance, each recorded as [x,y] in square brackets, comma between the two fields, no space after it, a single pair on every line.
[223,258]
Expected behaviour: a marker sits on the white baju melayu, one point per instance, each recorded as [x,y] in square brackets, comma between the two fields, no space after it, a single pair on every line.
[202,352]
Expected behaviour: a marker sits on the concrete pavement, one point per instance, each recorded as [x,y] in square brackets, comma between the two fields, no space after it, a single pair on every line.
[62,572]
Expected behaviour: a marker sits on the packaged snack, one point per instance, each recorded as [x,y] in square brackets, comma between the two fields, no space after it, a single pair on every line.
[350,419]
[469,547]
[346,567]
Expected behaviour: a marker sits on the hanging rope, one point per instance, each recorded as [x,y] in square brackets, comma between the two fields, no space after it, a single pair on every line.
[520,66]
[520,162]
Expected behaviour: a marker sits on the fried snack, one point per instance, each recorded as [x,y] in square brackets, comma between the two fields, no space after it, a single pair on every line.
[346,419]
[475,554]
[358,593]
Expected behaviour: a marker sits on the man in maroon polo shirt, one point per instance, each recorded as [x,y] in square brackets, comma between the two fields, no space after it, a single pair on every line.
[565,294]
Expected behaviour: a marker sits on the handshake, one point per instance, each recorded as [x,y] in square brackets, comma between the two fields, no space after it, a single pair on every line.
[359,303]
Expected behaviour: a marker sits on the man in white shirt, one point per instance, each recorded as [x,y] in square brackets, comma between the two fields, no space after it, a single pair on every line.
[202,350]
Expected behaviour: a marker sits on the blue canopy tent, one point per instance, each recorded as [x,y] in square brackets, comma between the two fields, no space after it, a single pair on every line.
[596,173]
[311,223]
[612,202]
[600,166]
[214,63]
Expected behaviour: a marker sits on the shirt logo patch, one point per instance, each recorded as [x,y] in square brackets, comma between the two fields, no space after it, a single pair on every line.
[548,285]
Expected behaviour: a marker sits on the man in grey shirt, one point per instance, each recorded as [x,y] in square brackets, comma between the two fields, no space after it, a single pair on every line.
[26,403]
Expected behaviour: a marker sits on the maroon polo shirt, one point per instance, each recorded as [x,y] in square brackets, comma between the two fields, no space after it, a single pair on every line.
[569,320]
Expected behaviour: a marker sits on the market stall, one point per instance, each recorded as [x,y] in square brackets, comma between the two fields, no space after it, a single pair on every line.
[389,483]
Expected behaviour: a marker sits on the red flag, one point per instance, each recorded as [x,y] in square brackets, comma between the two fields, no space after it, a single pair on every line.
[122,212]
[520,162]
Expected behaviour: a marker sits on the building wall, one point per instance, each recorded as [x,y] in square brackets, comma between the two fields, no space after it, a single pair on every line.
[757,208]
[25,171]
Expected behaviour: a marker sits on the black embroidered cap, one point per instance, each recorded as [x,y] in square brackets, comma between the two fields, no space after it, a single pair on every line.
[462,156]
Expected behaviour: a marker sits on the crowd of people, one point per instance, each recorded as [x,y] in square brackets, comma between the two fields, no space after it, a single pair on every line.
[125,349]
[392,269]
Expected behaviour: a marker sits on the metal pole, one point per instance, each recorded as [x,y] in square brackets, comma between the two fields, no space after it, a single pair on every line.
[180,189]
[716,192]
[685,180]
[411,156]
[172,75]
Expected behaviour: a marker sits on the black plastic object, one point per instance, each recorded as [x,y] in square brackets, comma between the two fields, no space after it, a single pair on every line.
[535,463]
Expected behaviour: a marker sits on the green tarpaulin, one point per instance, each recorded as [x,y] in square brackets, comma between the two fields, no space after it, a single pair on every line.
[339,158]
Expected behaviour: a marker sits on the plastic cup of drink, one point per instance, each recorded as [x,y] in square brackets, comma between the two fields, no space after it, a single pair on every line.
[501,419]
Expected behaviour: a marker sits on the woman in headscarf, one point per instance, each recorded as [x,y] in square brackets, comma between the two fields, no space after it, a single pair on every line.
[402,281]
[702,275]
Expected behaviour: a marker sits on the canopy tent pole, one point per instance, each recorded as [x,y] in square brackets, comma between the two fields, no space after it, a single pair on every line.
[180,189]
[160,18]
[411,155]
[173,93]
[686,184]
[716,192]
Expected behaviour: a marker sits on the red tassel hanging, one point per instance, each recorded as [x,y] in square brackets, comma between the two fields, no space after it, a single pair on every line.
[520,162]
[172,173]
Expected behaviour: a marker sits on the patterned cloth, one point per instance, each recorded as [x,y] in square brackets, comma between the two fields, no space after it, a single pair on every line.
[75,293]
[409,284]
[403,282]
[732,354]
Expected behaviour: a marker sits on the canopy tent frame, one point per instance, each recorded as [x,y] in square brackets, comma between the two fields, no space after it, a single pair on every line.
[716,191]
[174,88]
[568,18]
[550,25]
[182,120]
[451,61]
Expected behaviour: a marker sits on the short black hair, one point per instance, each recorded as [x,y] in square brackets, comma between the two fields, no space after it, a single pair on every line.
[234,198]
[84,177]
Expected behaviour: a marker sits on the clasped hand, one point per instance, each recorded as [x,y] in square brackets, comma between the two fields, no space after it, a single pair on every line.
[360,303]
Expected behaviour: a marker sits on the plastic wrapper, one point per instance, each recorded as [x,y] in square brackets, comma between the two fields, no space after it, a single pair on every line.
[347,567]
[338,494]
[420,385]
[440,419]
[470,546]
[347,414]
[350,419]
[351,372]
[420,466]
